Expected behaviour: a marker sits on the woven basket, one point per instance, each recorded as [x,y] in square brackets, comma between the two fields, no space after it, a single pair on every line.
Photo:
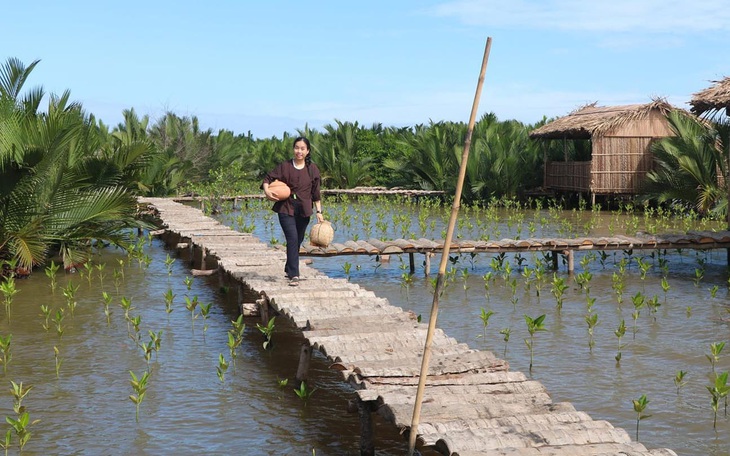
[322,234]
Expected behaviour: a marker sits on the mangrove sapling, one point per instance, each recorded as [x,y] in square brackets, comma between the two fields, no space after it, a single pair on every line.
[699,275]
[638,300]
[644,267]
[188,282]
[558,290]
[679,380]
[506,333]
[267,331]
[533,325]
[191,304]
[713,291]
[7,287]
[169,261]
[107,312]
[5,351]
[592,321]
[484,316]
[139,385]
[654,305]
[205,313]
[620,332]
[69,292]
[169,298]
[688,311]
[719,390]
[714,355]
[135,321]
[100,272]
[58,321]
[639,407]
[304,392]
[222,368]
[346,267]
[465,281]
[126,304]
[89,271]
[665,288]
[51,274]
[46,314]
[487,283]
[57,360]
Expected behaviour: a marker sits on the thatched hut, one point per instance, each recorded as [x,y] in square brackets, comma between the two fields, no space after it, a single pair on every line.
[714,98]
[620,153]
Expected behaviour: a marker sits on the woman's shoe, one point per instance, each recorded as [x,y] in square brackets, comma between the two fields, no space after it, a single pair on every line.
[294,282]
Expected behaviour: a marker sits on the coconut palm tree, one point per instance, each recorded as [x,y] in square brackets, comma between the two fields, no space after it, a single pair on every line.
[687,165]
[51,200]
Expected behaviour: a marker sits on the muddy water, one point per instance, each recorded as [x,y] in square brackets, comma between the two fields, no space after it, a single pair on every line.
[188,410]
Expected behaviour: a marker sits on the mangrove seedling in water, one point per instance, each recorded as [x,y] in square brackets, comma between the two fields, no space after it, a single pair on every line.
[169,297]
[205,312]
[714,355]
[654,305]
[304,392]
[484,316]
[267,331]
[558,290]
[139,385]
[58,321]
[70,294]
[191,304]
[620,332]
[592,321]
[107,300]
[169,261]
[638,300]
[506,333]
[46,314]
[719,390]
[100,268]
[51,274]
[487,282]
[533,325]
[8,289]
[679,380]
[188,282]
[639,407]
[57,360]
[665,288]
[222,368]
[618,287]
[5,351]
[713,291]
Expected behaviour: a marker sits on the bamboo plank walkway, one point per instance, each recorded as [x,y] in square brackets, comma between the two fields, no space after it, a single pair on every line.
[473,404]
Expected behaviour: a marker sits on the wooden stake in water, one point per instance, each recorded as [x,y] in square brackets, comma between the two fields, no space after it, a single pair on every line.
[445,257]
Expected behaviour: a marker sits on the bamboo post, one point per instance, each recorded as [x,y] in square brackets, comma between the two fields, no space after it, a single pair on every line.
[445,256]
[412,263]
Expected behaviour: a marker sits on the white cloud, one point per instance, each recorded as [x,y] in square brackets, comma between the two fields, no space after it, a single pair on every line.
[654,16]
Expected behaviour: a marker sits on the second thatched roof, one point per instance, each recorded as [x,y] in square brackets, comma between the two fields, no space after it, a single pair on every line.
[592,120]
[715,97]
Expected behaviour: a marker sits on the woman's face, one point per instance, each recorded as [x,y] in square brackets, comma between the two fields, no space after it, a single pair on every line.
[300,150]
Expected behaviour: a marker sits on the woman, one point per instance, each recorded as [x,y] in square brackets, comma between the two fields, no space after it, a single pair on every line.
[303,178]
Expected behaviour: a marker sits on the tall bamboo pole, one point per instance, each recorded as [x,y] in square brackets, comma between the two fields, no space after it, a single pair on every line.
[445,257]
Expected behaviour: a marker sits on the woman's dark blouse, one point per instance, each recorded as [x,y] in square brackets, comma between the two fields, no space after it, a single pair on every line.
[298,180]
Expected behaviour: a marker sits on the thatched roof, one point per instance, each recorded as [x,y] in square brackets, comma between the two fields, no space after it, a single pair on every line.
[713,98]
[592,120]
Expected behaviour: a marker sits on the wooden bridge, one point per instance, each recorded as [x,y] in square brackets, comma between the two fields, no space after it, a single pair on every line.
[701,240]
[473,404]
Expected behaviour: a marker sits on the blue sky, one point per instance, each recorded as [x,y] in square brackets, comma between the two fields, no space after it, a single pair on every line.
[274,66]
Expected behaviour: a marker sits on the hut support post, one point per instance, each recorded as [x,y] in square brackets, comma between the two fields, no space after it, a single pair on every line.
[555,260]
[427,264]
[367,436]
[263,304]
[305,355]
[411,263]
[571,265]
